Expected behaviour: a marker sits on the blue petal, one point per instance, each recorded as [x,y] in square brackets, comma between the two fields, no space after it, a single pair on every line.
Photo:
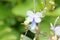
[33,25]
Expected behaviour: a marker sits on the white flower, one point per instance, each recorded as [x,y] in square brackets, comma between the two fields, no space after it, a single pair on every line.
[34,18]
[57,30]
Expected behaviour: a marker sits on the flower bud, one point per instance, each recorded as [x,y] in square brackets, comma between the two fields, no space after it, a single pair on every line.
[26,22]
[51,2]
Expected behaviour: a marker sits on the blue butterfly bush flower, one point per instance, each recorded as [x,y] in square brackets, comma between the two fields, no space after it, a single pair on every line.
[34,18]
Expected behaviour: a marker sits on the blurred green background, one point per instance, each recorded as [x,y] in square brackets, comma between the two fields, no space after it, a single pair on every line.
[13,13]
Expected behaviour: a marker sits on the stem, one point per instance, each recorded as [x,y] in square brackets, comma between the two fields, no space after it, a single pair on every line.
[38,28]
[44,3]
[34,5]
[27,28]
[38,32]
[45,8]
[26,32]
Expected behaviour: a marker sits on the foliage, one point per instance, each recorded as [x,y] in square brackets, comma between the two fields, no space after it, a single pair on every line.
[13,13]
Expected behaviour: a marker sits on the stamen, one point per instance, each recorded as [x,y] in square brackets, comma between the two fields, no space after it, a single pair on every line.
[56,21]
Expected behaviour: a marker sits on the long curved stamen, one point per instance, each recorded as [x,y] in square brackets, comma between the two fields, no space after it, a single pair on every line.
[56,21]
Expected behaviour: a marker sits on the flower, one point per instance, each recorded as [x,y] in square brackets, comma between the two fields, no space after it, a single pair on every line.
[33,18]
[57,30]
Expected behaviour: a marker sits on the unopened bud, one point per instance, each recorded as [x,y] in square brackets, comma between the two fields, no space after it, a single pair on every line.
[26,22]
[34,38]
[45,9]
[53,8]
[22,36]
[36,28]
[42,3]
[53,37]
[51,2]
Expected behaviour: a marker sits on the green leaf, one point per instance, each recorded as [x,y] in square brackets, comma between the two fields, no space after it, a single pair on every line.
[20,10]
[22,29]
[7,33]
[56,12]
[4,12]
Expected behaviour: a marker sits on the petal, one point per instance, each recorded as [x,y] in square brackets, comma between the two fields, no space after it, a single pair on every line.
[57,30]
[30,19]
[39,14]
[30,13]
[33,26]
[37,20]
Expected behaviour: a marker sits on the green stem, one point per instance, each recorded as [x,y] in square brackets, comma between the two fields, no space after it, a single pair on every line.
[27,28]
[44,3]
[38,32]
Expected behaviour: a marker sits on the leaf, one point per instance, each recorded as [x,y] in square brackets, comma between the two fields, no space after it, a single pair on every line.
[7,33]
[56,12]
[10,21]
[4,12]
[22,28]
[20,10]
